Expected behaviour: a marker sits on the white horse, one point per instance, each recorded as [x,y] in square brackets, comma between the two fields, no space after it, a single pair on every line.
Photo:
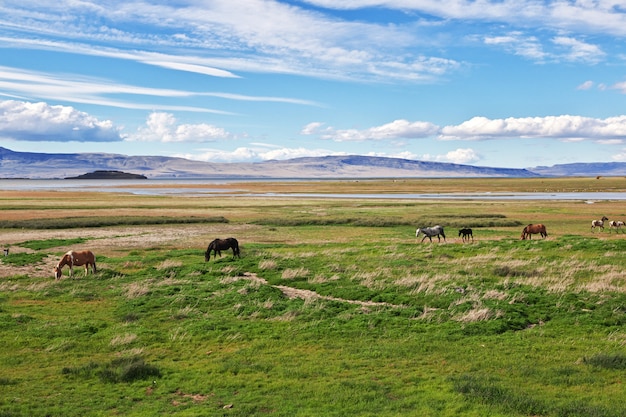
[598,223]
[429,232]
[615,224]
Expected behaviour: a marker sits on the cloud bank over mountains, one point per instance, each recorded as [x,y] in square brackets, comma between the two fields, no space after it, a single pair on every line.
[26,121]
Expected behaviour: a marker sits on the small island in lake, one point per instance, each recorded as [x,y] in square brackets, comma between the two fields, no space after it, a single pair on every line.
[108,175]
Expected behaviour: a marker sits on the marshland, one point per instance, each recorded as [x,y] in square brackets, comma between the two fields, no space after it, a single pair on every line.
[334,307]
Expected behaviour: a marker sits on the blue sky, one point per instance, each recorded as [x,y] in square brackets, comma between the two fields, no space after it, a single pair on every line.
[506,83]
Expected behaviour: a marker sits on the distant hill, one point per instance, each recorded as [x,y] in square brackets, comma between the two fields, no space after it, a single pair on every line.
[108,175]
[607,169]
[43,165]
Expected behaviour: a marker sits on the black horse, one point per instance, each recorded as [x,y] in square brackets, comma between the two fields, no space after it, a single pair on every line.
[466,233]
[218,245]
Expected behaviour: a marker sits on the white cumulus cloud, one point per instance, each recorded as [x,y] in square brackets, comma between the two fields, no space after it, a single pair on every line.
[257,153]
[565,127]
[398,129]
[462,156]
[163,127]
[26,121]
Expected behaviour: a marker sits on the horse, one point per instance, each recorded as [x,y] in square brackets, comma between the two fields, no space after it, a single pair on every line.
[218,245]
[466,233]
[78,258]
[598,223]
[429,232]
[534,229]
[615,224]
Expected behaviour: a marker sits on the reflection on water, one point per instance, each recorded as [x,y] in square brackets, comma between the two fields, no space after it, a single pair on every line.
[201,188]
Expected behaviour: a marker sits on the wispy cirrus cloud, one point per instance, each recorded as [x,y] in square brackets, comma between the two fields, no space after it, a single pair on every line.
[586,16]
[225,36]
[79,89]
[562,48]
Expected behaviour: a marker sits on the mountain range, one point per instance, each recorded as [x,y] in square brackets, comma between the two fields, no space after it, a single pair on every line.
[63,165]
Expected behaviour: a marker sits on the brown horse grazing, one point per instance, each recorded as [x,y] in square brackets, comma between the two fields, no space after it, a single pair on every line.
[78,258]
[534,229]
[218,245]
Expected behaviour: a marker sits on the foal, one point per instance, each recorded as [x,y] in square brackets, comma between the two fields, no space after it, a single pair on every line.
[466,233]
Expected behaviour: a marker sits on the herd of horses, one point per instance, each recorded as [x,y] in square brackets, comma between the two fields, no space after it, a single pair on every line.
[87,259]
[613,224]
[466,234]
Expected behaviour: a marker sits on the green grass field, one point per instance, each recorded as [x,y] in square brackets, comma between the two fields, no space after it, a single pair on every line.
[333,309]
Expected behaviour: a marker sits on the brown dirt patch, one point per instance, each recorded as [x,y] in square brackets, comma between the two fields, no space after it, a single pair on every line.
[307,295]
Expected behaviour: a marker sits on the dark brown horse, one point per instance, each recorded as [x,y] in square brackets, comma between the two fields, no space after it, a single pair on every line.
[534,229]
[466,233]
[218,245]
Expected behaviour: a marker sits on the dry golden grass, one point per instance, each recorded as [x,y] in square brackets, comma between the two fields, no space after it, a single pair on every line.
[124,339]
[293,273]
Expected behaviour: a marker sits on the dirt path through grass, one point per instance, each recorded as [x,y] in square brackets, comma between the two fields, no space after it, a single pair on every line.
[308,295]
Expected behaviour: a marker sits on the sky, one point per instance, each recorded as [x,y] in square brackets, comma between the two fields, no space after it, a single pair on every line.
[498,83]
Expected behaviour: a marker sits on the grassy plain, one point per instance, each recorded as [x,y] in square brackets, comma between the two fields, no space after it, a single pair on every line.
[334,308]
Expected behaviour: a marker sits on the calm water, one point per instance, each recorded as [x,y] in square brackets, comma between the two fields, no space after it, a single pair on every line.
[189,187]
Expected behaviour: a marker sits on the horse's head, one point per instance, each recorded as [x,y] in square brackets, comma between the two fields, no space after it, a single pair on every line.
[207,256]
[57,272]
[524,233]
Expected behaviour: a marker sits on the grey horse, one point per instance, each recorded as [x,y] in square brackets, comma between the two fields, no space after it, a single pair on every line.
[429,232]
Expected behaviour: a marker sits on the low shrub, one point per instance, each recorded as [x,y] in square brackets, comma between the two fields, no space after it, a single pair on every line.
[607,361]
[118,370]
[82,222]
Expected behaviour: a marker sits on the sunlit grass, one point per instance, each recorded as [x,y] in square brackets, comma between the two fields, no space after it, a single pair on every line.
[338,310]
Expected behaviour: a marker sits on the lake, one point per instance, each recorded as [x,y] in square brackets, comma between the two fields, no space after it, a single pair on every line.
[202,188]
